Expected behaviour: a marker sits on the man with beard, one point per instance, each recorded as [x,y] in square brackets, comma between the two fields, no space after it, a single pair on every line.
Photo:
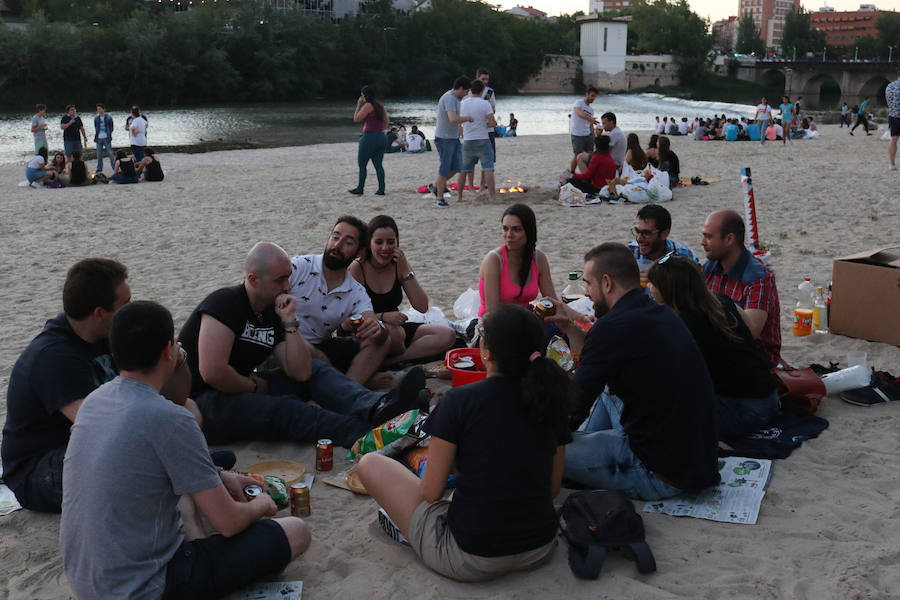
[651,237]
[327,296]
[646,420]
[236,329]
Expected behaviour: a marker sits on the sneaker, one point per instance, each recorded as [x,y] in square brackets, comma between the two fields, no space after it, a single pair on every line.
[441,203]
[379,193]
[37,185]
[356,192]
[432,189]
[892,167]
[405,397]
[390,527]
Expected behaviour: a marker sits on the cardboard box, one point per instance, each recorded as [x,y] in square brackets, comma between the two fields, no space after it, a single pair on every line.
[865,295]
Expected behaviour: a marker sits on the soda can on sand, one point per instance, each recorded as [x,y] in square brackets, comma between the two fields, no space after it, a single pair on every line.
[300,500]
[324,455]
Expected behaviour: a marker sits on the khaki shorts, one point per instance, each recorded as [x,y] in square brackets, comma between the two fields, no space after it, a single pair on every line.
[430,537]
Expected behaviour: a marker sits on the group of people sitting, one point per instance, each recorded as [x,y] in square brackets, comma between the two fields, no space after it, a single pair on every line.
[72,171]
[664,371]
[399,141]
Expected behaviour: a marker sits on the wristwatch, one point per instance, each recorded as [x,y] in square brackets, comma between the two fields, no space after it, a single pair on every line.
[408,276]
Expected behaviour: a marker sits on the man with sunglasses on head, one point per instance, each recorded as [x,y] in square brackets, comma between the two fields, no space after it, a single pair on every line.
[651,237]
[645,421]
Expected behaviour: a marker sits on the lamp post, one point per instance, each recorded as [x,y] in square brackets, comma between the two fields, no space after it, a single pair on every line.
[856,55]
[823,53]
[890,53]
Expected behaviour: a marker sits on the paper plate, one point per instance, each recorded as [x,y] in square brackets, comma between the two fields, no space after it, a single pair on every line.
[354,483]
[291,472]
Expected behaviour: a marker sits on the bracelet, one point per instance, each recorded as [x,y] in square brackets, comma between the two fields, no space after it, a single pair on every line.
[294,324]
[408,276]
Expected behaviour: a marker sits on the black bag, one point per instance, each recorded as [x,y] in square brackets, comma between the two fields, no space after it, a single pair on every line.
[597,521]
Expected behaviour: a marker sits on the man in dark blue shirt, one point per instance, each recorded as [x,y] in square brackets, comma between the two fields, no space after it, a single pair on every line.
[646,412]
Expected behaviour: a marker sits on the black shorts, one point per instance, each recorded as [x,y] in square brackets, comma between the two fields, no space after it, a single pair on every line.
[340,350]
[894,124]
[410,329]
[217,565]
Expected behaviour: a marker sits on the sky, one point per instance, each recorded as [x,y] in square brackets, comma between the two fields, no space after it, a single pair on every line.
[711,9]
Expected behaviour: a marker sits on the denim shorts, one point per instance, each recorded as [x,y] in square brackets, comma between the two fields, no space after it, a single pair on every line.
[582,143]
[450,153]
[477,151]
[34,174]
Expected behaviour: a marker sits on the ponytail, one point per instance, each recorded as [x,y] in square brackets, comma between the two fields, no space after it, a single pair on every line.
[548,394]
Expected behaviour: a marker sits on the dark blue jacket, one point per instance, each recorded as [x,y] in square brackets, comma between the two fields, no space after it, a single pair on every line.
[109,126]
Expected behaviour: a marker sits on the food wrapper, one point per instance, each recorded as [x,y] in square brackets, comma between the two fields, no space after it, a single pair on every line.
[274,486]
[385,434]
[559,352]
[417,460]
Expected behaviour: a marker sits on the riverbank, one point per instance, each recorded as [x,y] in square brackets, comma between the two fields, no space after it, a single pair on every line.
[828,525]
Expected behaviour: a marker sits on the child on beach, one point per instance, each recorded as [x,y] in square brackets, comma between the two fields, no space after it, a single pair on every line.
[501,517]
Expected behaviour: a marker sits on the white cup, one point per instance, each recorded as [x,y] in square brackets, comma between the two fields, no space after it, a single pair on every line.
[856,358]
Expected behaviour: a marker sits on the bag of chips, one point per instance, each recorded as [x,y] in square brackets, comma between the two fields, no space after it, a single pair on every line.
[385,434]
[559,352]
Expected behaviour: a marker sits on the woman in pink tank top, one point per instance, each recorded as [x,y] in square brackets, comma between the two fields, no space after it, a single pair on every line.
[516,272]
[373,142]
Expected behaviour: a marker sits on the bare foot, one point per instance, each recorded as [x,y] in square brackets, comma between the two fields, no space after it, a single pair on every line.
[381,381]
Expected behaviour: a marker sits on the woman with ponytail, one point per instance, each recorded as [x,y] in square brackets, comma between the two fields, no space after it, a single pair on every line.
[373,142]
[515,272]
[506,435]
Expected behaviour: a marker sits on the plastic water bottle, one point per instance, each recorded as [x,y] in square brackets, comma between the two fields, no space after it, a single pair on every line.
[820,312]
[803,313]
[575,288]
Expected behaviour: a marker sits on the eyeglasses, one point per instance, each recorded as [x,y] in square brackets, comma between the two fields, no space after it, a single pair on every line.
[643,232]
[668,255]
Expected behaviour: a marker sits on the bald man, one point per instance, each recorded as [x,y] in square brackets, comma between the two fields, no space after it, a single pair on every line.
[733,271]
[236,329]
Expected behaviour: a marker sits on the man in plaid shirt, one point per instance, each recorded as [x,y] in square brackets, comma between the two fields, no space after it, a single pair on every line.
[733,271]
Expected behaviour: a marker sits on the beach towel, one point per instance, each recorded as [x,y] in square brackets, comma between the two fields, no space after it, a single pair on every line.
[787,432]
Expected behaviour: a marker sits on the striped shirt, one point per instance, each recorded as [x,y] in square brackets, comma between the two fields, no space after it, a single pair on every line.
[752,286]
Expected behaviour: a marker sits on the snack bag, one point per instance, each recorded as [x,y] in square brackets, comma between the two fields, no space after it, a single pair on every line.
[384,434]
[417,460]
[558,350]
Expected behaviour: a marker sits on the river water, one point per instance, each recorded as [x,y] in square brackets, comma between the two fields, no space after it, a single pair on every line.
[195,129]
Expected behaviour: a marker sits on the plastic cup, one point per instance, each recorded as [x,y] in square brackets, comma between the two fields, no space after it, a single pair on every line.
[856,358]
[644,263]
[846,379]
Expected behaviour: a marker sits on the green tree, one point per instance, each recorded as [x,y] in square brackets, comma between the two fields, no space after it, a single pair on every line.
[748,39]
[888,26]
[664,27]
[798,37]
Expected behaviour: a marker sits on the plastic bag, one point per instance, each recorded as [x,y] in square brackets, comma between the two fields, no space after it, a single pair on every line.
[466,306]
[658,190]
[384,434]
[433,315]
[569,195]
[628,172]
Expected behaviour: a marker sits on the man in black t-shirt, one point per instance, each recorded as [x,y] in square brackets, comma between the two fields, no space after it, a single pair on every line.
[71,126]
[67,361]
[236,329]
[646,412]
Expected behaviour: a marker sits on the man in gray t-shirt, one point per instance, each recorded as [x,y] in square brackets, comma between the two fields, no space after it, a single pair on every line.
[446,140]
[39,128]
[617,142]
[133,459]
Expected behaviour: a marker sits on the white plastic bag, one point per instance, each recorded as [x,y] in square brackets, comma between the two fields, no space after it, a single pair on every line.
[569,195]
[658,190]
[466,306]
[433,315]
[628,172]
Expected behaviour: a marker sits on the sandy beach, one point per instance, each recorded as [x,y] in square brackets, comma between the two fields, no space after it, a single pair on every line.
[829,525]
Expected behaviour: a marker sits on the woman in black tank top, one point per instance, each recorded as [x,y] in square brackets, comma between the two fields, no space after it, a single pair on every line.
[386,275]
[150,167]
[125,172]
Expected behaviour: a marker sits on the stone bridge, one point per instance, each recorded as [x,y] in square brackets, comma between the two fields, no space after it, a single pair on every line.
[851,81]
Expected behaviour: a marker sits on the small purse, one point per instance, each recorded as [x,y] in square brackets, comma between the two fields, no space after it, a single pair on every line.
[801,389]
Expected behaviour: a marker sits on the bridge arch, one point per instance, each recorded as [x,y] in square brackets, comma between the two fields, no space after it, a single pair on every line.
[773,78]
[874,88]
[821,90]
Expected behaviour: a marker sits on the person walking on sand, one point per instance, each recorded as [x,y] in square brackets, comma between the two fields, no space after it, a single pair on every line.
[862,118]
[787,119]
[446,140]
[892,96]
[763,116]
[373,142]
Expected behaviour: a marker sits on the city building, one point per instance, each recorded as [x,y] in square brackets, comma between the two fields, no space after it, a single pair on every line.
[768,15]
[726,34]
[602,6]
[527,12]
[843,28]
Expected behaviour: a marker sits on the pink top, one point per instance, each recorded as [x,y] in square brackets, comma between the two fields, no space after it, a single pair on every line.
[509,292]
[373,123]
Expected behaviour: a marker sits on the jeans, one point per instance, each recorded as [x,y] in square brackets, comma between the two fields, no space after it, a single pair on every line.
[284,413]
[42,489]
[743,416]
[763,124]
[600,456]
[101,144]
[138,152]
[371,147]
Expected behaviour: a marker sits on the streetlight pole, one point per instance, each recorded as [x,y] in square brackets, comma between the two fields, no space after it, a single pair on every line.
[890,53]
[823,53]
[856,55]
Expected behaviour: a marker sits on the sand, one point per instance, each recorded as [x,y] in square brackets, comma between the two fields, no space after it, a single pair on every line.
[828,527]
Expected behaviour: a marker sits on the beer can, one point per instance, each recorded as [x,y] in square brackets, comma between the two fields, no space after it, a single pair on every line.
[324,455]
[300,500]
[355,321]
[252,491]
[544,308]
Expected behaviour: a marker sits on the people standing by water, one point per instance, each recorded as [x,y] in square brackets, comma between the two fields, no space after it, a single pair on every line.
[476,141]
[39,127]
[892,97]
[787,119]
[484,76]
[103,128]
[138,133]
[845,115]
[71,126]
[763,116]
[446,140]
[373,142]
[581,126]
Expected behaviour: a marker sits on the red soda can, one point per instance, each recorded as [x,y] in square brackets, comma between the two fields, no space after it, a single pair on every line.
[300,500]
[324,455]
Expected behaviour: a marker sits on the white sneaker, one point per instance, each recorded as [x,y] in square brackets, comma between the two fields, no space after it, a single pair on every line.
[892,167]
[37,185]
[390,527]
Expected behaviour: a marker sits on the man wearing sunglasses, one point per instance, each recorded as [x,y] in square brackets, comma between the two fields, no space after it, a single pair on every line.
[732,270]
[646,419]
[651,238]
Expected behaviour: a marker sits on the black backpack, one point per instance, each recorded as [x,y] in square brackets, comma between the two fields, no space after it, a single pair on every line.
[597,521]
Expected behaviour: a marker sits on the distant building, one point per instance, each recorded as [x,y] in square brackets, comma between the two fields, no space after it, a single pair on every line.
[602,6]
[845,27]
[726,34]
[337,9]
[768,16]
[527,12]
